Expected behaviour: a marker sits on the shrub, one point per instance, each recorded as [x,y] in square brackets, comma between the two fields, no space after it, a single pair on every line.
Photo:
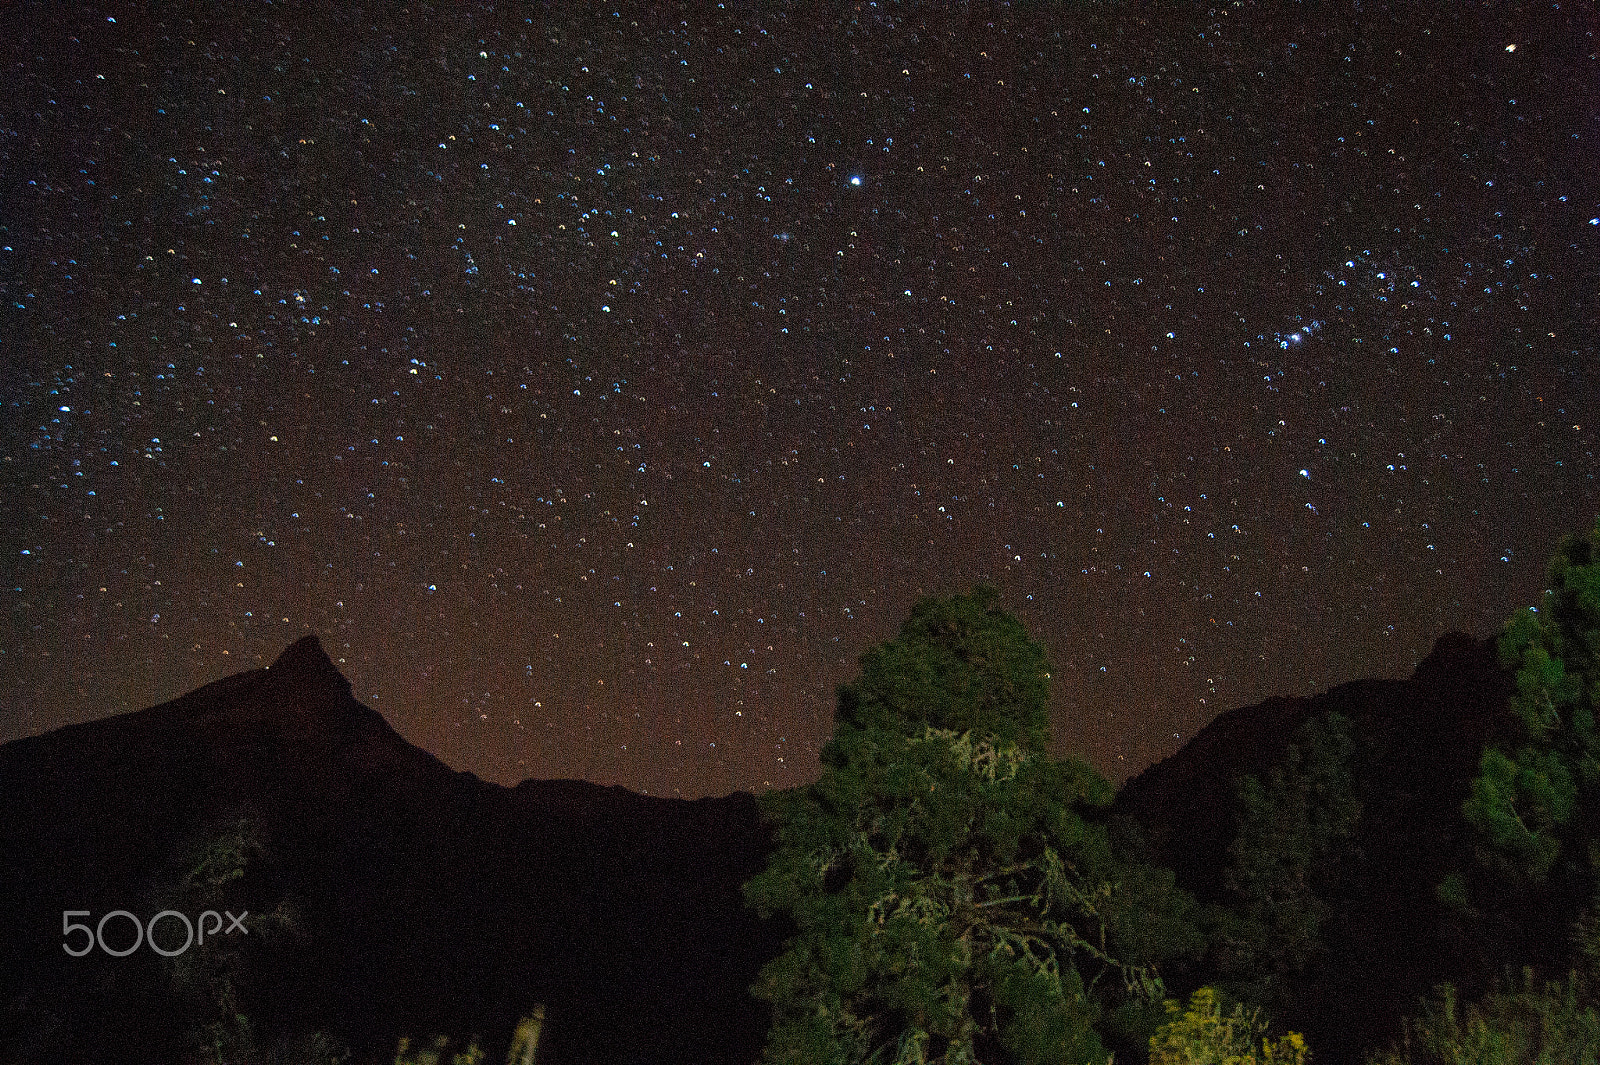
[1524,1026]
[1202,1035]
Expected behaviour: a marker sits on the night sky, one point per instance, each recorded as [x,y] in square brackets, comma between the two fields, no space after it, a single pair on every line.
[598,387]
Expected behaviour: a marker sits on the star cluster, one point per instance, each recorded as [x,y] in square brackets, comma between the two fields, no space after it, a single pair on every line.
[599,386]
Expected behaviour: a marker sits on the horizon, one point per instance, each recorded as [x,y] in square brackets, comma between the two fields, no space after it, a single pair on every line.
[1117,781]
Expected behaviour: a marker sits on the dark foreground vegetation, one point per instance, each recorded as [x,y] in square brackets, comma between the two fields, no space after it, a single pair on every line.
[1395,872]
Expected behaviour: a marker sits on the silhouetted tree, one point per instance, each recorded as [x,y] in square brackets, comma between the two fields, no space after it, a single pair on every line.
[956,899]
[1535,802]
[1294,831]
[221,980]
[1524,802]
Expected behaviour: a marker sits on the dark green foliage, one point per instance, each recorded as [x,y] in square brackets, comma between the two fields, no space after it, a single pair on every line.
[1536,798]
[1527,1025]
[958,663]
[1524,803]
[222,982]
[1533,807]
[954,901]
[1520,806]
[1293,831]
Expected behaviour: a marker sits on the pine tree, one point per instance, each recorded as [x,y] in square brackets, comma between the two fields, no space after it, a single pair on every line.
[1523,802]
[1535,803]
[955,898]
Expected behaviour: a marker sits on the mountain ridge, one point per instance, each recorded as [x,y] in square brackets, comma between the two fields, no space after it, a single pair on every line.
[1387,940]
[439,902]
[433,901]
[1450,704]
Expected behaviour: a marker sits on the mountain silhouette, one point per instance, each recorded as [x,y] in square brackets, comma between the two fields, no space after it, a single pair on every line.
[401,897]
[1417,744]
[428,901]
[1426,732]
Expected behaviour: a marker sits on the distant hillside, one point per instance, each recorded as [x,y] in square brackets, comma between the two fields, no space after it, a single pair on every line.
[426,901]
[430,901]
[1418,742]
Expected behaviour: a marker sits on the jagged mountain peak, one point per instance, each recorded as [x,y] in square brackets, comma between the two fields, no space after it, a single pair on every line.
[305,664]
[425,899]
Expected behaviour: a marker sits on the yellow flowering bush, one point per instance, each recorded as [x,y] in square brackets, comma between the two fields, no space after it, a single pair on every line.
[1202,1035]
